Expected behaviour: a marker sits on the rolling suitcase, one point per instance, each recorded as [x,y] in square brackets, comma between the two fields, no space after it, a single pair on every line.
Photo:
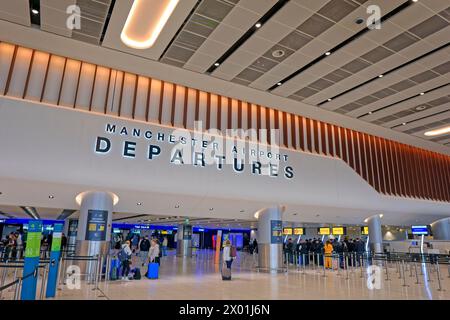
[153,270]
[114,273]
[226,272]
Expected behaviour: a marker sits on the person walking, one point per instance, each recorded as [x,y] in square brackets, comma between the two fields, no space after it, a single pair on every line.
[328,250]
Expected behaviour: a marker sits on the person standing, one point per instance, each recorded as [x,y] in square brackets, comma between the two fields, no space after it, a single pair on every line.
[165,243]
[144,247]
[328,250]
[153,253]
[125,257]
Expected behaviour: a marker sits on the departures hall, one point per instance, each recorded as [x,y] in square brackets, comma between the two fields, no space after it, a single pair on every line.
[224,150]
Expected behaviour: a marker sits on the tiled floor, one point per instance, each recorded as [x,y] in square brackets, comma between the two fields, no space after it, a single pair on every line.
[199,278]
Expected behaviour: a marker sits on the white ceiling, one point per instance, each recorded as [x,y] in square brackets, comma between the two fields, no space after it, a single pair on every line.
[200,32]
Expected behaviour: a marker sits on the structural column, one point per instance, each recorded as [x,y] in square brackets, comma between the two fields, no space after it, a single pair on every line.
[441,229]
[184,240]
[375,235]
[270,239]
[94,226]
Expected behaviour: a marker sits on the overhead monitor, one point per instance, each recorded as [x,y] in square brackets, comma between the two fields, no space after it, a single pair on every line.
[364,230]
[420,230]
[338,231]
[299,231]
[287,231]
[324,231]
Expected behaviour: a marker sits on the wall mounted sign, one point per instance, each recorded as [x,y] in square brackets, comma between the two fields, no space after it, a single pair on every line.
[364,230]
[96,225]
[198,150]
[276,227]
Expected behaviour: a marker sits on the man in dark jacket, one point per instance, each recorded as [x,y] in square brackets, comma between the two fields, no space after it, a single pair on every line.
[144,247]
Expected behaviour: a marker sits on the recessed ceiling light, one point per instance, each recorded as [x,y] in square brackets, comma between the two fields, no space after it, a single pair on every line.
[241,210]
[370,112]
[294,214]
[359,20]
[422,93]
[211,209]
[404,124]
[380,76]
[216,64]
[139,203]
[327,53]
[51,197]
[146,21]
[278,53]
[177,206]
[415,0]
[437,132]
[258,25]
[279,83]
[421,108]
[329,99]
[35,11]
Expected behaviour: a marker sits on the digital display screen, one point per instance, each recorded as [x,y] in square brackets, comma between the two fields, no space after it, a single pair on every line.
[338,231]
[287,231]
[365,230]
[299,231]
[420,230]
[324,231]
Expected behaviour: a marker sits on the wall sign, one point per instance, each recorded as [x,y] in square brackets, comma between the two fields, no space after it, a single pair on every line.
[96,225]
[198,150]
[276,227]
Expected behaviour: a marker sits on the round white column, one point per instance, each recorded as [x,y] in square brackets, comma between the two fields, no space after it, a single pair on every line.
[270,248]
[441,229]
[94,225]
[375,235]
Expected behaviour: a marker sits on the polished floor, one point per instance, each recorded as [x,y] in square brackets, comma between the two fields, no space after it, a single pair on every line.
[198,278]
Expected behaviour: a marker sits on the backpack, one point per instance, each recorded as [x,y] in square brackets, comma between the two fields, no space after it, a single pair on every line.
[233,252]
[123,256]
[137,274]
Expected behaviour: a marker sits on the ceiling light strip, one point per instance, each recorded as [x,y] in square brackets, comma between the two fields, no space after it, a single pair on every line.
[131,217]
[403,100]
[386,73]
[107,20]
[35,12]
[342,44]
[269,14]
[146,21]
[418,119]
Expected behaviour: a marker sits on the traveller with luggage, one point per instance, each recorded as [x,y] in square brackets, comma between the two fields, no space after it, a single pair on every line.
[229,254]
[154,261]
[144,247]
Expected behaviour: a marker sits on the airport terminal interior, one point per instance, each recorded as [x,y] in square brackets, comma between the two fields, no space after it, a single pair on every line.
[224,150]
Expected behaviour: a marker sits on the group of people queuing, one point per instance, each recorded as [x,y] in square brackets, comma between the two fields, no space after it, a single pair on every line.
[147,250]
[13,246]
[355,248]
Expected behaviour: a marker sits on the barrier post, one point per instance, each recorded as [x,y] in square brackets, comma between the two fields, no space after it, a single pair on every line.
[17,289]
[403,273]
[387,269]
[438,269]
[304,263]
[346,266]
[417,276]
[43,281]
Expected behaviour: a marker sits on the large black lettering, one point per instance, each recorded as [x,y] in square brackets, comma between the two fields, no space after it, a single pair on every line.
[256,167]
[103,145]
[289,172]
[129,149]
[153,151]
[238,167]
